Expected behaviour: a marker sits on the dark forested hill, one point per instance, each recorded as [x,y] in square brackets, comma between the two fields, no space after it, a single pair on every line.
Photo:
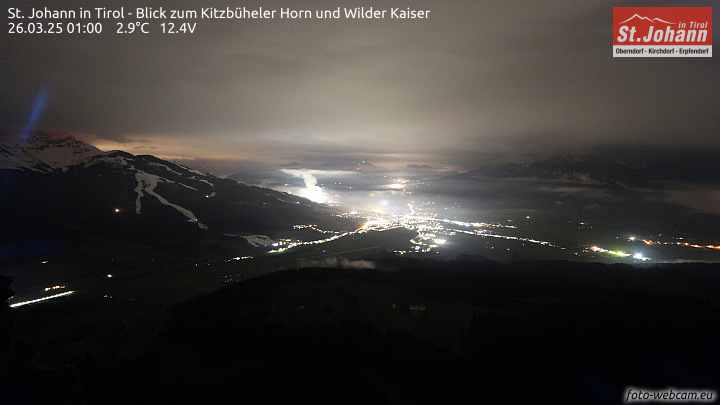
[410,331]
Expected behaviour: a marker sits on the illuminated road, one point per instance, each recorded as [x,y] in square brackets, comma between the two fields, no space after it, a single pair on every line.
[49,297]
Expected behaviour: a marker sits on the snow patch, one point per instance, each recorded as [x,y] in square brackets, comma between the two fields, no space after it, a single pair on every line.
[192,170]
[198,173]
[204,181]
[186,186]
[113,160]
[259,240]
[160,165]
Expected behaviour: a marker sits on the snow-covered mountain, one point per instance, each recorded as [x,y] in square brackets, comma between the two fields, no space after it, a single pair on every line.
[52,184]
[43,152]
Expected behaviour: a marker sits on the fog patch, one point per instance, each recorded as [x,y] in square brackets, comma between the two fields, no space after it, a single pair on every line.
[312,191]
[340,263]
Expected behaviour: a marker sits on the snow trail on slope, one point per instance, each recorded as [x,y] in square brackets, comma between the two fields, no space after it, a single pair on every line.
[147,182]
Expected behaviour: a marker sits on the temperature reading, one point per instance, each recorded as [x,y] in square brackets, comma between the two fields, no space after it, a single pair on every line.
[130,28]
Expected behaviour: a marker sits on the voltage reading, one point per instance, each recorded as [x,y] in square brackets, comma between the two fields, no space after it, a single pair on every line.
[172,28]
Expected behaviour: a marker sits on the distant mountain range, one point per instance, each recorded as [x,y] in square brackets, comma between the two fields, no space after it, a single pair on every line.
[52,184]
[328,166]
[621,169]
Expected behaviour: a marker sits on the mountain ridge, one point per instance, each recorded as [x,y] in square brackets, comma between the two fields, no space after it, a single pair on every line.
[43,151]
[78,189]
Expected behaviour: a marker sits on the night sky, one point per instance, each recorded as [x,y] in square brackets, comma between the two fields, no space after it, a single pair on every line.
[475,78]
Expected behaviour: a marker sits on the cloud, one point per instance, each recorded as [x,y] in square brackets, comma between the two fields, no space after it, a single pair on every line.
[478,76]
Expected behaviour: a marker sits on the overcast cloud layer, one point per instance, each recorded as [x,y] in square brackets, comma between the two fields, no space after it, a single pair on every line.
[477,77]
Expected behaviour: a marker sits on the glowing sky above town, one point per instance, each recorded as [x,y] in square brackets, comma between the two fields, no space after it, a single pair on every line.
[477,77]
